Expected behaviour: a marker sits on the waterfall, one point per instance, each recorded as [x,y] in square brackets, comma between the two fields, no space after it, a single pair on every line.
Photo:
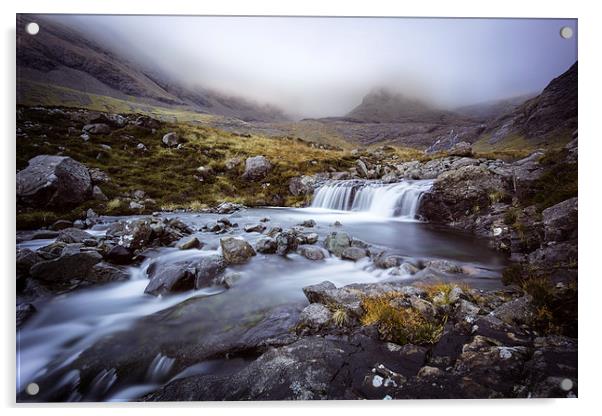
[400,199]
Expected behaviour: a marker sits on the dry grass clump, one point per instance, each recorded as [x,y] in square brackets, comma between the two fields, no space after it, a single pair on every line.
[402,325]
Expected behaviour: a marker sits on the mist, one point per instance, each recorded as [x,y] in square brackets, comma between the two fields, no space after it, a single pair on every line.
[317,67]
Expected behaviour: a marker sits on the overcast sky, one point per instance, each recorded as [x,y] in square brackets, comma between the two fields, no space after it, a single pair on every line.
[316,67]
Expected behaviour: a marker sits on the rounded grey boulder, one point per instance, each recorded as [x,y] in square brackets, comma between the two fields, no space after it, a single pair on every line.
[53,181]
[256,168]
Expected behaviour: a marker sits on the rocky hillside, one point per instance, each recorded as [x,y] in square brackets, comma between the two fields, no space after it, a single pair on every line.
[61,65]
[548,119]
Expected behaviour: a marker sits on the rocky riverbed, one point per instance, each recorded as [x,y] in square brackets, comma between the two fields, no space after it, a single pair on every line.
[446,278]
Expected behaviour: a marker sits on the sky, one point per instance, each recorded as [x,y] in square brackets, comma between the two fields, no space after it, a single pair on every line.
[316,67]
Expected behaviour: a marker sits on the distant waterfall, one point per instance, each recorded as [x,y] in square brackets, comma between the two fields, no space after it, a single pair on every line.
[387,200]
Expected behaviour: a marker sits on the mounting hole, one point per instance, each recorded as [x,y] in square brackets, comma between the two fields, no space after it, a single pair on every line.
[32,28]
[566,384]
[32,389]
[566,32]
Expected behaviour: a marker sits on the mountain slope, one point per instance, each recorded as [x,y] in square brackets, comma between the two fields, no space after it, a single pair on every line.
[59,56]
[548,119]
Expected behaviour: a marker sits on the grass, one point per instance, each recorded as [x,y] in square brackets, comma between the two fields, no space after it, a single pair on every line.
[559,181]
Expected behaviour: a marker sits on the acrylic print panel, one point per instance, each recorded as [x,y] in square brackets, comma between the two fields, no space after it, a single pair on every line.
[274,208]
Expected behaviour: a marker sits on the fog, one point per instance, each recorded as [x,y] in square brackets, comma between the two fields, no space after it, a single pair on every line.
[315,67]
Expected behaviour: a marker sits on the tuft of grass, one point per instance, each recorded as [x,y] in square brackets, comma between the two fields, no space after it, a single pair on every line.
[339,317]
[402,325]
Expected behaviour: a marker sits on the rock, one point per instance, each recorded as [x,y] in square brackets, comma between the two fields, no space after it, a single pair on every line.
[426,309]
[336,242]
[204,172]
[24,312]
[136,205]
[104,272]
[184,275]
[462,149]
[97,128]
[314,317]
[61,225]
[26,258]
[554,255]
[444,266]
[98,195]
[53,181]
[311,238]
[119,255]
[256,168]
[72,264]
[387,261]
[191,243]
[308,223]
[560,221]
[255,228]
[228,280]
[170,139]
[516,312]
[236,250]
[353,253]
[266,245]
[311,252]
[286,242]
[345,298]
[301,185]
[85,137]
[228,208]
[232,163]
[362,168]
[466,312]
[98,176]
[72,235]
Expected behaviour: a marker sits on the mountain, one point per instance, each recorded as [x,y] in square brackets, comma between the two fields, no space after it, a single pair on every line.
[547,119]
[490,110]
[61,65]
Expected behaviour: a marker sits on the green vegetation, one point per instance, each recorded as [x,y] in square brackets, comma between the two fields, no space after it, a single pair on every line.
[558,183]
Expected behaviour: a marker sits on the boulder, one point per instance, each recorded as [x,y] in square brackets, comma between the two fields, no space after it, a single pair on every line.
[266,245]
[119,255]
[384,260]
[255,228]
[236,250]
[97,194]
[336,242]
[97,128]
[301,185]
[286,242]
[104,272]
[353,253]
[314,317]
[26,258]
[256,168]
[516,312]
[311,252]
[72,235]
[54,182]
[190,244]
[311,238]
[462,149]
[72,264]
[184,275]
[61,225]
[560,221]
[170,139]
[362,168]
[308,223]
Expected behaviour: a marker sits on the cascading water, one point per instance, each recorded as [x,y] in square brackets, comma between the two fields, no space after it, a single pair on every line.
[400,199]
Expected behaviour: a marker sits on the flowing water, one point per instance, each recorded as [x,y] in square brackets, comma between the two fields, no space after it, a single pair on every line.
[66,329]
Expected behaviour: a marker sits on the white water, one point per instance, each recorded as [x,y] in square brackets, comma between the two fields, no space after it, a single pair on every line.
[399,200]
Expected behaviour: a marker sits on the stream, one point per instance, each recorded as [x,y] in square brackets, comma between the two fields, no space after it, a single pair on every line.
[68,330]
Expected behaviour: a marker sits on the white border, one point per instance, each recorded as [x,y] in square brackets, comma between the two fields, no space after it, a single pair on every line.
[590,71]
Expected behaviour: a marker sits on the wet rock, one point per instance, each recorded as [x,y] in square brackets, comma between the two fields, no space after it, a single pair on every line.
[311,238]
[444,266]
[228,280]
[26,258]
[314,317]
[61,225]
[72,264]
[190,244]
[266,245]
[560,221]
[336,242]
[308,223]
[228,208]
[286,242]
[73,235]
[171,139]
[236,250]
[386,261]
[184,275]
[353,253]
[119,255]
[256,168]
[311,252]
[255,228]
[105,272]
[53,181]
[24,312]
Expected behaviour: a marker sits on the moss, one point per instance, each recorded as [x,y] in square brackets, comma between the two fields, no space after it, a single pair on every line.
[559,181]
